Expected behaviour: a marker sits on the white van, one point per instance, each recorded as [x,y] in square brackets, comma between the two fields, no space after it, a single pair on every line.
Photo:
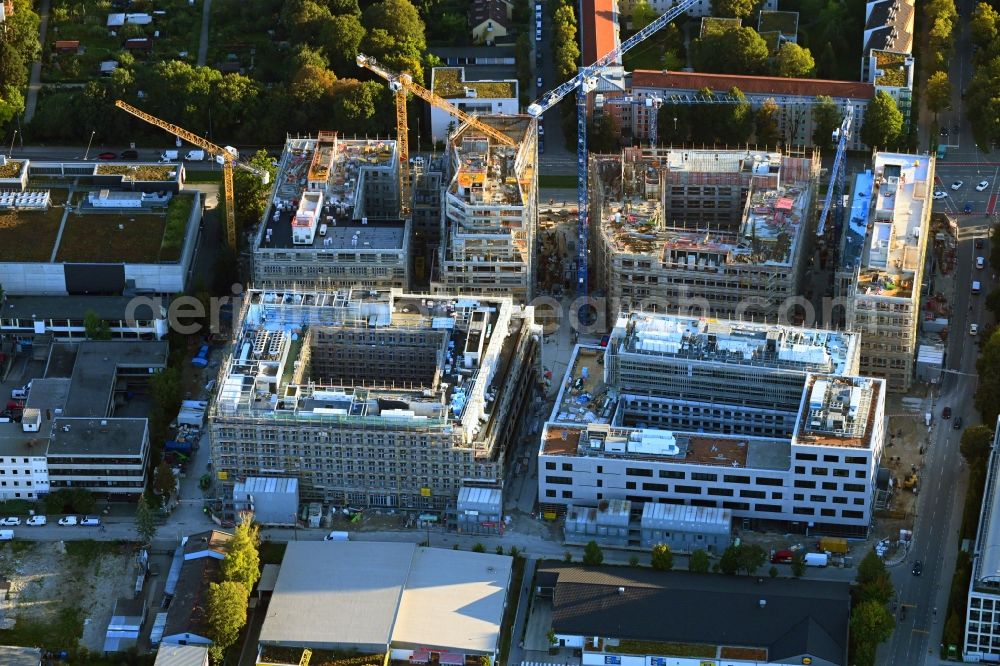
[322,230]
[195,155]
[6,535]
[976,287]
[169,156]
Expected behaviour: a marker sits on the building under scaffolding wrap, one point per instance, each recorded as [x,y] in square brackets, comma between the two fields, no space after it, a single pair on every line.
[374,399]
[720,232]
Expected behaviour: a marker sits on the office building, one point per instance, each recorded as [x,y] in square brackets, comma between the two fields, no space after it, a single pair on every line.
[334,220]
[982,615]
[715,232]
[490,216]
[373,399]
[767,421]
[469,92]
[881,261]
[23,318]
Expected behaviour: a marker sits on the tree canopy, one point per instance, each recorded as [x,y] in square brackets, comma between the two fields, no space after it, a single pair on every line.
[826,119]
[734,8]
[698,562]
[662,558]
[145,522]
[883,122]
[794,61]
[592,554]
[987,397]
[242,561]
[731,50]
[938,92]
[871,623]
[226,612]
[984,24]
[746,558]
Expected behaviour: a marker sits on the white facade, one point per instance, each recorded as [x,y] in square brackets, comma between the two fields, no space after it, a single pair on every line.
[982,615]
[472,100]
[24,476]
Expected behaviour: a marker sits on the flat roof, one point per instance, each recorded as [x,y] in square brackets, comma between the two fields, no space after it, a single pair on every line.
[786,617]
[331,593]
[181,655]
[839,410]
[74,307]
[684,82]
[341,234]
[450,83]
[97,365]
[453,600]
[97,437]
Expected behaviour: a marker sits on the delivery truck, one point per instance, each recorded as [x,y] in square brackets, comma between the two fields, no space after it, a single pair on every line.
[834,545]
[817,559]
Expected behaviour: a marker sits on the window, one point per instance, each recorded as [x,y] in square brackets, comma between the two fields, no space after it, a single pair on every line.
[630,485]
[805,484]
[550,465]
[701,476]
[754,494]
[561,480]
[840,500]
[819,471]
[549,492]
[768,508]
[722,492]
[766,481]
[734,478]
[831,513]
[854,487]
[638,471]
[805,456]
[567,494]
[671,474]
[840,472]
[855,460]
[852,514]
[658,487]
[817,498]
[567,467]
[803,510]
[688,490]
[828,485]
[828,458]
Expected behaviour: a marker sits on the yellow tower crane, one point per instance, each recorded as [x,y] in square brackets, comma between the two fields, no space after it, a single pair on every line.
[227,158]
[400,84]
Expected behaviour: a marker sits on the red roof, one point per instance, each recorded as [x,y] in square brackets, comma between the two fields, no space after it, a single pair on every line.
[600,29]
[67,44]
[756,85]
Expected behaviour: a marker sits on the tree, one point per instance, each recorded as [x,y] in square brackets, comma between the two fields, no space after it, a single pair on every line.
[798,564]
[982,102]
[13,71]
[663,559]
[396,36]
[993,302]
[341,37]
[642,15]
[164,481]
[731,50]
[793,61]
[883,122]
[499,549]
[698,562]
[773,571]
[478,548]
[145,522]
[604,137]
[250,192]
[566,54]
[82,500]
[242,561]
[826,118]
[744,557]
[226,612]
[592,554]
[633,561]
[729,563]
[871,623]
[733,122]
[941,40]
[766,122]
[985,24]
[94,327]
[987,397]
[976,442]
[938,92]
[874,583]
[733,8]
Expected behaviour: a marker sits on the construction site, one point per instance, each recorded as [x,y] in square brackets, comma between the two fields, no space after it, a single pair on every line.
[720,233]
[374,399]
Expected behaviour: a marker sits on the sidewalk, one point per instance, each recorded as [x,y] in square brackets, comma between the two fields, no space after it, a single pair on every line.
[35,82]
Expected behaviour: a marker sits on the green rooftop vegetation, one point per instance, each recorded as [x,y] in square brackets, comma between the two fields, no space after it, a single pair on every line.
[661,647]
[448,83]
[893,66]
[11,170]
[145,172]
[745,653]
[712,24]
[787,23]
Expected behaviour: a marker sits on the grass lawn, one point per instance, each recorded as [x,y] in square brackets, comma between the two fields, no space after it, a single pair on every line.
[28,236]
[87,21]
[63,633]
[95,237]
[557,182]
[178,214]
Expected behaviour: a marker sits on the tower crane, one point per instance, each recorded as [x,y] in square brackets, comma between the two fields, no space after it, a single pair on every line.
[400,85]
[220,154]
[838,175]
[584,82]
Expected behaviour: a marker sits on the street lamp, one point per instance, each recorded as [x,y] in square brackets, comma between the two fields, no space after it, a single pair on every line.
[92,133]
[11,151]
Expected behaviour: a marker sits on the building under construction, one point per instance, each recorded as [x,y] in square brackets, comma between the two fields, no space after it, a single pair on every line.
[334,220]
[488,226]
[719,232]
[374,399]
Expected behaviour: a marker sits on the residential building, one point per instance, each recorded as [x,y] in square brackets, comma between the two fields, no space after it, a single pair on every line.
[767,421]
[22,318]
[181,655]
[477,58]
[490,214]
[196,564]
[888,27]
[489,20]
[892,73]
[725,619]
[334,221]
[419,605]
[982,615]
[481,97]
[71,435]
[881,263]
[374,399]
[795,99]
[778,28]
[718,232]
[599,36]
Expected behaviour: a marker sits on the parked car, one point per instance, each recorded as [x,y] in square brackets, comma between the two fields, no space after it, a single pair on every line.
[983,184]
[946,413]
[107,156]
[10,521]
[957,185]
[967,209]
[980,262]
[918,567]
[90,521]
[21,392]
[36,520]
[973,329]
[957,423]
[69,520]
[979,243]
[130,154]
[940,195]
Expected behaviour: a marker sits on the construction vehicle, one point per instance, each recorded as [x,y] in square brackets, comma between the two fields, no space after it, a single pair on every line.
[583,83]
[910,481]
[400,85]
[834,545]
[226,155]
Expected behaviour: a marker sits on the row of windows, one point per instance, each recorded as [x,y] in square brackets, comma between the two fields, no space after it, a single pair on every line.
[850,460]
